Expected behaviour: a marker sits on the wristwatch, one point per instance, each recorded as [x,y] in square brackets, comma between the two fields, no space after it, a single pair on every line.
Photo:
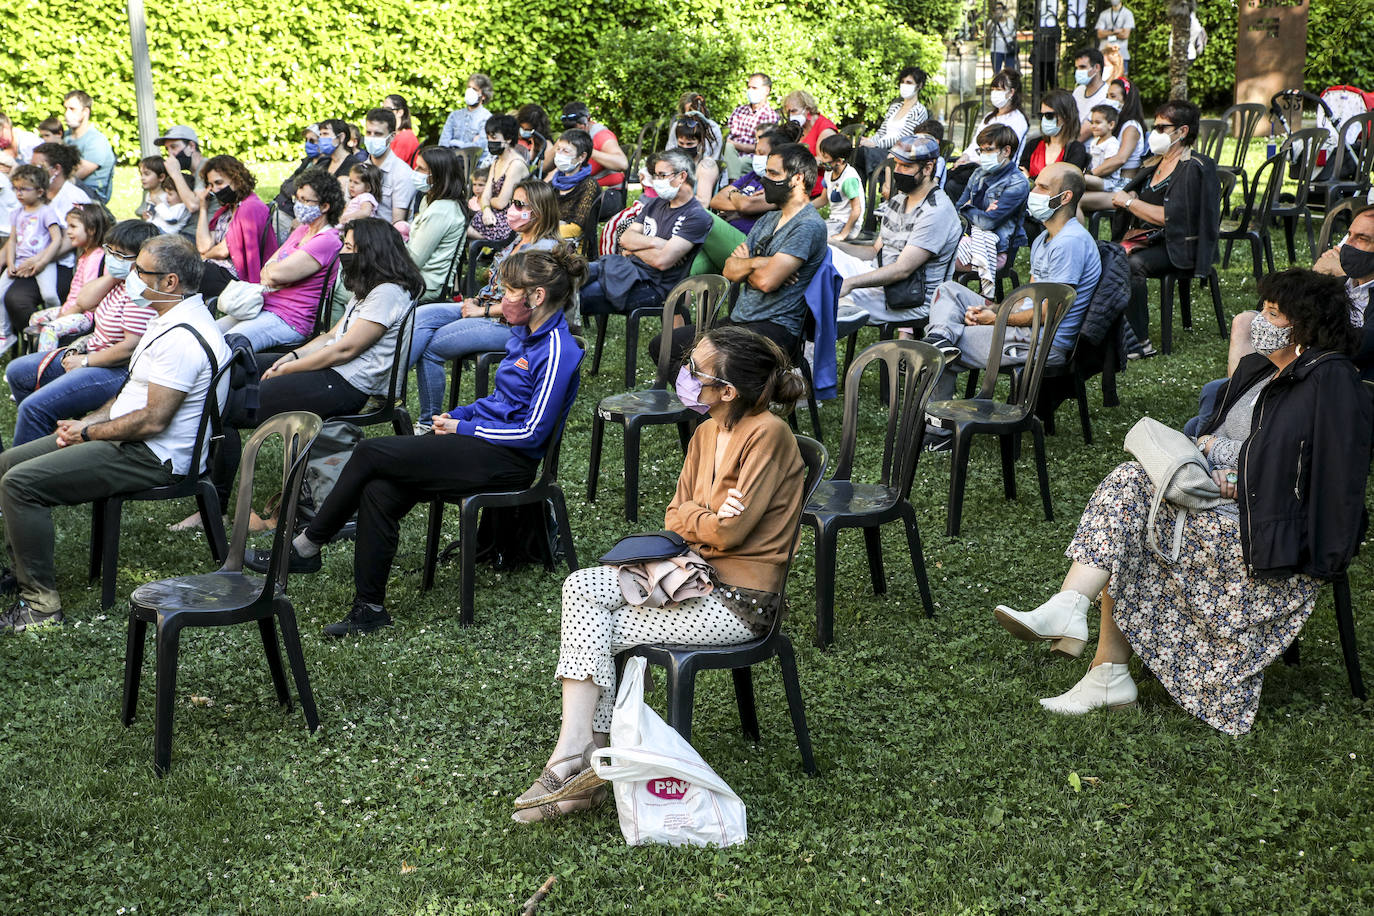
[85,434]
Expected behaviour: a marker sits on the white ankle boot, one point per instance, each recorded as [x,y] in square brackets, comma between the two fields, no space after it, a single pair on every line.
[1108,685]
[1063,621]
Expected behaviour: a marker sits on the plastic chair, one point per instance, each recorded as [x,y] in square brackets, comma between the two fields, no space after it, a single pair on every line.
[1355,153]
[1310,142]
[324,309]
[873,199]
[1251,226]
[1246,116]
[682,662]
[227,597]
[658,405]
[911,368]
[391,407]
[544,491]
[965,114]
[1342,214]
[107,514]
[972,416]
[1211,133]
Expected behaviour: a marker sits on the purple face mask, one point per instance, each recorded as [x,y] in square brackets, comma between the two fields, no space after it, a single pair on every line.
[689,391]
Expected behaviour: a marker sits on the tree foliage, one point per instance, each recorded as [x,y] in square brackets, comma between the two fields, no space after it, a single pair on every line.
[249,75]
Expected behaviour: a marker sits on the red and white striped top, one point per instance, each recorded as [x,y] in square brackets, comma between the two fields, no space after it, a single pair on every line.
[117,317]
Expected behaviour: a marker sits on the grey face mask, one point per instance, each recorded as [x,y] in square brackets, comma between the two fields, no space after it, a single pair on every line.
[1266,338]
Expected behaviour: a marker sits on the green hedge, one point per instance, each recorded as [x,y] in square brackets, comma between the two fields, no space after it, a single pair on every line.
[249,75]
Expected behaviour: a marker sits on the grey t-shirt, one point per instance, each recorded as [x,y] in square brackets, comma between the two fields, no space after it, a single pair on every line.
[934,226]
[370,371]
[803,236]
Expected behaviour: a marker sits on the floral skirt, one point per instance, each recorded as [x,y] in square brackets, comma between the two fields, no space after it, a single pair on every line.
[1202,625]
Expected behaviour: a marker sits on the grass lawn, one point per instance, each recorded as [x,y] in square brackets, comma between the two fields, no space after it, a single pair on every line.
[944,788]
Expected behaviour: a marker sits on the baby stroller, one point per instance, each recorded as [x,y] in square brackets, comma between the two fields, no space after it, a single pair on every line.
[1343,124]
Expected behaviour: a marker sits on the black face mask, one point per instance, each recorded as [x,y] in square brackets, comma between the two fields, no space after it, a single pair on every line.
[184,160]
[775,192]
[346,260]
[226,196]
[1357,264]
[905,184]
[495,147]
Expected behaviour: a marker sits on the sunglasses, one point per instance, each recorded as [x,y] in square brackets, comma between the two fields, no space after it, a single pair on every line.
[1163,127]
[697,374]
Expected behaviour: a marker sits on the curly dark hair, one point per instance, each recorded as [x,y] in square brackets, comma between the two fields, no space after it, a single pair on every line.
[537,118]
[62,155]
[326,188]
[503,126]
[234,172]
[1317,307]
[382,258]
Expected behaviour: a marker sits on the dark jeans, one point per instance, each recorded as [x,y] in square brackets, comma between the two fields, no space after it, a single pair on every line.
[323,392]
[1146,264]
[387,476]
[1206,406]
[684,338]
[596,302]
[23,298]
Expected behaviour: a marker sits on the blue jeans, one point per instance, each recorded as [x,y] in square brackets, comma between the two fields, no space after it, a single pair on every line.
[442,334]
[596,302]
[63,395]
[267,331]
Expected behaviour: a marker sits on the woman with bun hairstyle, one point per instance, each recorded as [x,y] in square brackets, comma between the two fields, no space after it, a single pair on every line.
[738,500]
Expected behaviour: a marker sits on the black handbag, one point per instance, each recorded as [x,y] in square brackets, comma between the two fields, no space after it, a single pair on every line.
[642,548]
[907,293]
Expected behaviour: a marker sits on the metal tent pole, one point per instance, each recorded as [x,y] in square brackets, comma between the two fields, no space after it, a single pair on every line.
[143,78]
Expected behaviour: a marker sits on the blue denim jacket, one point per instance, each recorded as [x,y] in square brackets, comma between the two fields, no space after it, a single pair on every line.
[1007,188]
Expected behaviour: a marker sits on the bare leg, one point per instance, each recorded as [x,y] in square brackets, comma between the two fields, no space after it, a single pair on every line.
[579,703]
[1111,642]
[1092,202]
[1241,346]
[1086,580]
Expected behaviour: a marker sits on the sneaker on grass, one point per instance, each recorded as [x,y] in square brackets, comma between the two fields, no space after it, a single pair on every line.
[21,618]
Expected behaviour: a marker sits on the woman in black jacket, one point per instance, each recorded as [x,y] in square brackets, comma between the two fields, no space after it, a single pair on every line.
[1289,446]
[1174,204]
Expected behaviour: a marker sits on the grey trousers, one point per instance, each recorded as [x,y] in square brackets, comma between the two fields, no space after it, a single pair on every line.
[974,341]
[38,475]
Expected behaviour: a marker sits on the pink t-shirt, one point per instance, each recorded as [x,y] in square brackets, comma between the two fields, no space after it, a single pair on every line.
[117,317]
[87,269]
[297,304]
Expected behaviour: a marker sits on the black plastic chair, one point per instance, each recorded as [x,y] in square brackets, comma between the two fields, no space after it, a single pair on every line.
[965,114]
[911,368]
[391,407]
[1246,117]
[1183,280]
[1252,224]
[544,491]
[873,199]
[1211,133]
[227,597]
[658,405]
[984,415]
[682,662]
[1302,171]
[324,309]
[107,514]
[1353,154]
[480,253]
[1341,214]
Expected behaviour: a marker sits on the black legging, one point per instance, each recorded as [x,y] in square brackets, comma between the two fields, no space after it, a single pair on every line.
[1146,264]
[685,336]
[23,298]
[323,392]
[385,479]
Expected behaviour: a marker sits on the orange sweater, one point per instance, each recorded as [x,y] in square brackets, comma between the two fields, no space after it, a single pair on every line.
[761,461]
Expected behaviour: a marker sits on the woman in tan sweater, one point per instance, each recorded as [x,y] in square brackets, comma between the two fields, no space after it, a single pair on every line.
[737,504]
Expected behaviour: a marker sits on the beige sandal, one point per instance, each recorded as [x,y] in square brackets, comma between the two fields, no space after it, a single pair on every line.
[551,810]
[577,785]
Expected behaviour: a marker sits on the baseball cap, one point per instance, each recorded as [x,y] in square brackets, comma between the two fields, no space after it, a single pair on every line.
[179,132]
[918,148]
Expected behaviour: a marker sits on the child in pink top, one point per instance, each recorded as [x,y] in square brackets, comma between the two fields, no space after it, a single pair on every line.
[86,227]
[364,187]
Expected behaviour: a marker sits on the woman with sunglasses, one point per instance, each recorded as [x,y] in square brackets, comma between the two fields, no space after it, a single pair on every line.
[497,442]
[737,503]
[449,330]
[1174,204]
[73,381]
[1058,136]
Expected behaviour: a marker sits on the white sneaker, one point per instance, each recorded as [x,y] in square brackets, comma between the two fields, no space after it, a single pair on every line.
[1063,621]
[1108,685]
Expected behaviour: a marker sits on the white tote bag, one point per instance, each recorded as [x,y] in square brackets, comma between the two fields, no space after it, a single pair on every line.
[664,791]
[240,300]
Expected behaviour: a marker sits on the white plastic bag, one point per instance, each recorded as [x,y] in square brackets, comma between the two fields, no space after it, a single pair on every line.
[240,300]
[664,791]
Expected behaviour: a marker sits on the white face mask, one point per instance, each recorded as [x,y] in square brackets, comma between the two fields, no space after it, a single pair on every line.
[1159,142]
[472,97]
[663,187]
[760,163]
[906,90]
[756,96]
[989,162]
[798,119]
[999,98]
[74,120]
[564,161]
[1115,103]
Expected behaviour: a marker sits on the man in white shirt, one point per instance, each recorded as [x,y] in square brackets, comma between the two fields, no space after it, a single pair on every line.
[398,179]
[1114,27]
[1090,88]
[143,438]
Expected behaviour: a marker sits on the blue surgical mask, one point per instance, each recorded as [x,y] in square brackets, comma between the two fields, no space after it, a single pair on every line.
[307,213]
[421,183]
[1038,206]
[312,149]
[688,390]
[1082,77]
[327,146]
[1049,126]
[117,267]
[377,146]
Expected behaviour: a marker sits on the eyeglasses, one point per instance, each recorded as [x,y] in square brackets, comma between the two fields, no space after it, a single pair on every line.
[117,255]
[142,271]
[520,204]
[305,203]
[665,176]
[1163,127]
[697,374]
